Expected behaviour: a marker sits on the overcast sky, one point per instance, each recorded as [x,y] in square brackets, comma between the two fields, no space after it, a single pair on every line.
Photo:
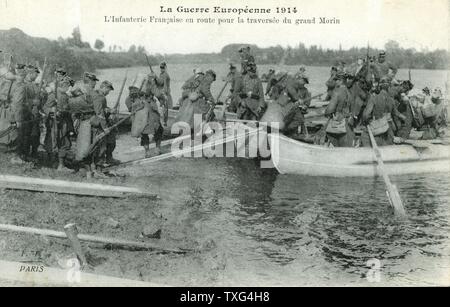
[413,23]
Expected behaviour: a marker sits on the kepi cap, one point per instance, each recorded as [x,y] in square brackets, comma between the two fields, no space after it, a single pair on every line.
[90,76]
[107,84]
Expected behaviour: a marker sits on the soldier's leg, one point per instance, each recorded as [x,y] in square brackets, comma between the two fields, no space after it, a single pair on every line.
[333,139]
[35,138]
[65,145]
[145,142]
[169,101]
[24,138]
[158,138]
[110,147]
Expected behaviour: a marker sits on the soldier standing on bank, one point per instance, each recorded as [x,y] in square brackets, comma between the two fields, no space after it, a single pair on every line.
[36,98]
[21,115]
[101,123]
[59,102]
[160,87]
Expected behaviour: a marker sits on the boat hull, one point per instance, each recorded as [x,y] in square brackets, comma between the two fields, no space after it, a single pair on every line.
[294,157]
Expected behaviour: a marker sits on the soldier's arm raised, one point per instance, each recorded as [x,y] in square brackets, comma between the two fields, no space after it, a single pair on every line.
[205,89]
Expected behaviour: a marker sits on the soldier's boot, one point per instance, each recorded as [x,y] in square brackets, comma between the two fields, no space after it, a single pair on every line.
[109,155]
[62,167]
[157,151]
[147,151]
[18,160]
[98,174]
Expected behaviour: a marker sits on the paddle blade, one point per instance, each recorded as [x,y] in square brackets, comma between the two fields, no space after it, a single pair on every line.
[396,201]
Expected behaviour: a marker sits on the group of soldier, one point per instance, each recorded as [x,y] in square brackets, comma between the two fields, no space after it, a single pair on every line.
[363,94]
[57,108]
[366,98]
[360,95]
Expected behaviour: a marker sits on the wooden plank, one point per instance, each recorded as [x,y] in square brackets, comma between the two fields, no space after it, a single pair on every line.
[69,187]
[124,244]
[46,276]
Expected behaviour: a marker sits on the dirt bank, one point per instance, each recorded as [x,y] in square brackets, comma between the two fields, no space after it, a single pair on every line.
[94,216]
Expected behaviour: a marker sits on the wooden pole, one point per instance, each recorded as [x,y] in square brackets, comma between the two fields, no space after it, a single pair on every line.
[69,187]
[72,234]
[119,243]
[392,192]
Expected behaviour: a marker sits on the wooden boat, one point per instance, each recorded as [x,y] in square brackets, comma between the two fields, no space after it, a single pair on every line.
[293,157]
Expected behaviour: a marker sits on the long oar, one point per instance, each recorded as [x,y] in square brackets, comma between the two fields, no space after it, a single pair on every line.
[392,192]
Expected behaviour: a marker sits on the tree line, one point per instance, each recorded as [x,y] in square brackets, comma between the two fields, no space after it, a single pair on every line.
[78,56]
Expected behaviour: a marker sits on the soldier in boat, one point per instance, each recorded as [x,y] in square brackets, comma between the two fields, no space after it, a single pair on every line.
[295,121]
[152,129]
[270,80]
[199,99]
[246,59]
[301,73]
[383,68]
[331,83]
[191,84]
[265,78]
[359,90]
[339,129]
[399,91]
[435,116]
[233,78]
[250,93]
[379,114]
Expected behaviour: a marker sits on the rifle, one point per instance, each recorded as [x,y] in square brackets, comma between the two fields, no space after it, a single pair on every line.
[368,76]
[10,62]
[415,117]
[298,104]
[105,133]
[55,123]
[116,106]
[148,63]
[209,114]
[44,68]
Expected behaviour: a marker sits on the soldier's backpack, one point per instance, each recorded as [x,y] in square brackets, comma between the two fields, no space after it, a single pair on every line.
[139,123]
[274,115]
[380,125]
[429,110]
[83,140]
[185,114]
[10,135]
[336,126]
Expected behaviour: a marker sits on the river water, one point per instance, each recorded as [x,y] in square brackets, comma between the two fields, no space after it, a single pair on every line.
[273,229]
